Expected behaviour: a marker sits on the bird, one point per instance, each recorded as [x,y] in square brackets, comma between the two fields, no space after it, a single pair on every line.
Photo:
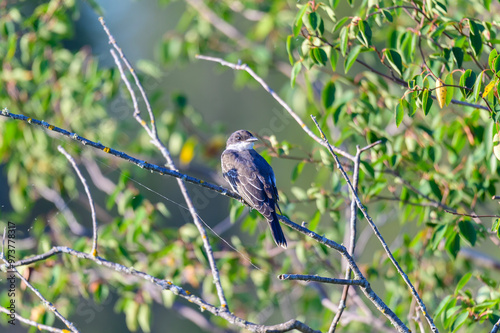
[253,179]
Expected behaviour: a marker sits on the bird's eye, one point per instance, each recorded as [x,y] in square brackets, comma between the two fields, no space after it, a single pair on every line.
[238,137]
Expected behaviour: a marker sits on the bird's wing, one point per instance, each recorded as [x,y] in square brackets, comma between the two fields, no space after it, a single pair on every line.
[268,179]
[247,182]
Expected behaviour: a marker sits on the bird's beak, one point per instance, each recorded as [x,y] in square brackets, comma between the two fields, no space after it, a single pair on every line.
[252,139]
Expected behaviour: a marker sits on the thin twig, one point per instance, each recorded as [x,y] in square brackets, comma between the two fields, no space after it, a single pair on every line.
[153,134]
[257,78]
[377,233]
[141,163]
[470,215]
[322,279]
[33,323]
[352,241]
[91,201]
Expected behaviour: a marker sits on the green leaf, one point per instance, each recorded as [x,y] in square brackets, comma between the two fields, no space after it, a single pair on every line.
[467,80]
[458,56]
[495,227]
[328,95]
[411,105]
[144,317]
[468,231]
[394,60]
[313,223]
[295,71]
[477,86]
[463,281]
[426,102]
[314,20]
[438,235]
[320,55]
[365,32]
[340,23]
[351,57]
[334,57]
[297,170]
[444,304]
[298,20]
[289,49]
[449,82]
[452,245]
[459,320]
[399,113]
[344,39]
[387,15]
[493,54]
[475,38]
[496,65]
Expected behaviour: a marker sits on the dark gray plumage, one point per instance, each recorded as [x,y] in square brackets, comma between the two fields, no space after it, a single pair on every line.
[253,179]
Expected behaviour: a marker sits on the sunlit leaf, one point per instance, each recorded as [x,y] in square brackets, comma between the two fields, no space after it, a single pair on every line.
[328,95]
[441,92]
[351,57]
[394,60]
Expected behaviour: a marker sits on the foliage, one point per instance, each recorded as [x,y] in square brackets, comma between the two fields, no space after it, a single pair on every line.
[368,70]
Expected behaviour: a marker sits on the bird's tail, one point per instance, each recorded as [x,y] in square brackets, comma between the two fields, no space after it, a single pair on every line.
[278,235]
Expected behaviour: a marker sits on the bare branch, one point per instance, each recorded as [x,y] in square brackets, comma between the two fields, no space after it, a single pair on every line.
[352,240]
[322,279]
[257,78]
[33,323]
[377,233]
[91,201]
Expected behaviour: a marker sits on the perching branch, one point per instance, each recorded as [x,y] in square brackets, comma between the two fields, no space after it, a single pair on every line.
[352,240]
[321,239]
[322,279]
[140,163]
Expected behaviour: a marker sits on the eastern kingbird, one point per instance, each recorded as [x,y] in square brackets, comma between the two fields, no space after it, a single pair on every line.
[253,179]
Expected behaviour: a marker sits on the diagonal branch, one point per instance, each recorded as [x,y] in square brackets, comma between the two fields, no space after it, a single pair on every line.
[352,242]
[377,232]
[257,78]
[322,279]
[91,201]
[33,323]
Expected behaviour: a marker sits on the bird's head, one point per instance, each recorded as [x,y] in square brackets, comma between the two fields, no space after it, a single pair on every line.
[241,140]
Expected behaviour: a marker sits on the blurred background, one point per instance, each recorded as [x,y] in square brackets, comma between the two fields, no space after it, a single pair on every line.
[56,66]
